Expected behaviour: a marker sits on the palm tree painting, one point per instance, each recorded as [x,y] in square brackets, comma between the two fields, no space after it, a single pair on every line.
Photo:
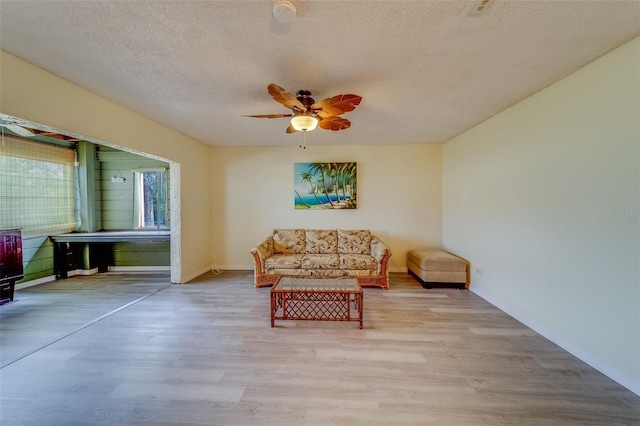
[324,185]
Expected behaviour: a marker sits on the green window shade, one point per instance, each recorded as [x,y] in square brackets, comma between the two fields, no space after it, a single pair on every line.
[36,187]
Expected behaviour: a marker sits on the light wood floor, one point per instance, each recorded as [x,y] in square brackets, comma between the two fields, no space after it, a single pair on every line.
[131,349]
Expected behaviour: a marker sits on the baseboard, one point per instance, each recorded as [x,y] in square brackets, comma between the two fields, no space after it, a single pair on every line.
[87,272]
[38,281]
[401,269]
[235,267]
[50,278]
[84,272]
[139,268]
[613,374]
[196,274]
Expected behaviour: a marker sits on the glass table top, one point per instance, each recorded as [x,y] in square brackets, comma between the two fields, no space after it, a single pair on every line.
[317,284]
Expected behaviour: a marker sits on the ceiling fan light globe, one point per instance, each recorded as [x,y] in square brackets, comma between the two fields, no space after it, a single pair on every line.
[304,123]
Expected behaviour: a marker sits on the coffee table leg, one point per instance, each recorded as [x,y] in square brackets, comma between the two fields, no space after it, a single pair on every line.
[273,310]
[347,299]
[360,307]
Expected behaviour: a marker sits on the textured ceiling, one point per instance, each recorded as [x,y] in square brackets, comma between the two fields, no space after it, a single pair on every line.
[427,70]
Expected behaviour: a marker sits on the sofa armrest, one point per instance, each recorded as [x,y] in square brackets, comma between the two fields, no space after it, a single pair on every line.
[379,249]
[381,252]
[260,253]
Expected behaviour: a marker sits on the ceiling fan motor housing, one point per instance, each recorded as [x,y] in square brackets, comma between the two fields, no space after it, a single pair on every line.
[304,96]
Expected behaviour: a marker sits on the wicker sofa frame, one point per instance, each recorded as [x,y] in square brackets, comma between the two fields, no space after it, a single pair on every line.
[322,253]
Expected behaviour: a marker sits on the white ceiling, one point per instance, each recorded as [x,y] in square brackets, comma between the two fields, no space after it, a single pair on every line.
[427,70]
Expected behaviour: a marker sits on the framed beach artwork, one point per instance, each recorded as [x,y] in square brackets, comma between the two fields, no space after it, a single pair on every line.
[325,186]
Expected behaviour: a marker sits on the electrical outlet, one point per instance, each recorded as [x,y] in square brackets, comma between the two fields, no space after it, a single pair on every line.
[479,270]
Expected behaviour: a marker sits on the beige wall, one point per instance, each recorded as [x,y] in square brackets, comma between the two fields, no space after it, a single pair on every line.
[399,197]
[545,199]
[31,93]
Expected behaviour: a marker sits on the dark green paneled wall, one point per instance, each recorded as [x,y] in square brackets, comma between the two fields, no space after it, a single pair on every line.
[113,204]
[116,201]
[37,257]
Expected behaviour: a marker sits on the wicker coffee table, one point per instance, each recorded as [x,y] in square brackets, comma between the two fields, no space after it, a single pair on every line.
[316,299]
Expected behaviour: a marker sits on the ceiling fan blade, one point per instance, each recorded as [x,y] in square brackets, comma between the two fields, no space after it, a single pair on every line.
[334,123]
[19,130]
[290,129]
[328,111]
[55,135]
[285,98]
[269,115]
[336,105]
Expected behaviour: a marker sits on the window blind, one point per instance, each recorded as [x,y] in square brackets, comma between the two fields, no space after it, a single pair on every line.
[36,187]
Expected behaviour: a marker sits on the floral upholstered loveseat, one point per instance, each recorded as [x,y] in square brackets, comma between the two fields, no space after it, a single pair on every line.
[318,252]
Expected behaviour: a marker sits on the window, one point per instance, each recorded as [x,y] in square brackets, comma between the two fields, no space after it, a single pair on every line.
[151,206]
[36,187]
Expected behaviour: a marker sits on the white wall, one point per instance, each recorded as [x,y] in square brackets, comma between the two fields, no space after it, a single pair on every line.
[399,197]
[545,198]
[33,94]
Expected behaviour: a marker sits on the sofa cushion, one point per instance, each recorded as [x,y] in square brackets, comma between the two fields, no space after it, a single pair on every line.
[354,241]
[436,260]
[321,261]
[358,261]
[289,241]
[284,261]
[322,241]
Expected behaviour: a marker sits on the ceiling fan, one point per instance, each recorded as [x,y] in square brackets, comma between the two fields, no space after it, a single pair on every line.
[18,130]
[307,114]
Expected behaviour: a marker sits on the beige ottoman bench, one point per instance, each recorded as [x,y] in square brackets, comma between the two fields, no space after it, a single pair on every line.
[435,267]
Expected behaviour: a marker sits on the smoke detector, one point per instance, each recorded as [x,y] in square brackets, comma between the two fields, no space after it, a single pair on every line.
[284,11]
